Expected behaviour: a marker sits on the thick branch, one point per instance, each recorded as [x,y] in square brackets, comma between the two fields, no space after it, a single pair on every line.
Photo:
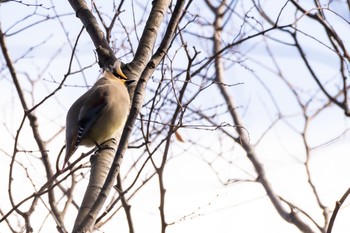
[88,221]
[149,36]
[100,165]
[105,53]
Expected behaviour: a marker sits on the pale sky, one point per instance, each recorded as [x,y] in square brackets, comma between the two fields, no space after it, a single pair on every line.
[195,199]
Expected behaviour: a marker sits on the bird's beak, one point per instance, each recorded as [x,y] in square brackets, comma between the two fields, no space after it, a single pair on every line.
[120,72]
[117,70]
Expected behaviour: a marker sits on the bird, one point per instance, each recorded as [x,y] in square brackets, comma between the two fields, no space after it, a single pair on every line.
[100,113]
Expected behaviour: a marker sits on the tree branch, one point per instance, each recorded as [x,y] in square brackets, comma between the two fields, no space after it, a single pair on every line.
[159,9]
[243,137]
[105,54]
[338,204]
[34,126]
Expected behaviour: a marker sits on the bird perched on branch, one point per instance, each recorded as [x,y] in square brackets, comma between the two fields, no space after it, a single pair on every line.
[100,113]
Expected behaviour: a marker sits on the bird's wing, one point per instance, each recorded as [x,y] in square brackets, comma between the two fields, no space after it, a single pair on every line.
[91,111]
[86,111]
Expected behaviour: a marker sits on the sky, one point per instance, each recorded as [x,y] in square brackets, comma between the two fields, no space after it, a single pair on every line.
[196,199]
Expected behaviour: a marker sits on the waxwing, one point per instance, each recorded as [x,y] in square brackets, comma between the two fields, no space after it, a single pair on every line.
[100,113]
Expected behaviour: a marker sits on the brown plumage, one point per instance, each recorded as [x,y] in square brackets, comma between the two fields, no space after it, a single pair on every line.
[99,114]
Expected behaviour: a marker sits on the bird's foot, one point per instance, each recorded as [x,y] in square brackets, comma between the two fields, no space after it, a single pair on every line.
[105,145]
